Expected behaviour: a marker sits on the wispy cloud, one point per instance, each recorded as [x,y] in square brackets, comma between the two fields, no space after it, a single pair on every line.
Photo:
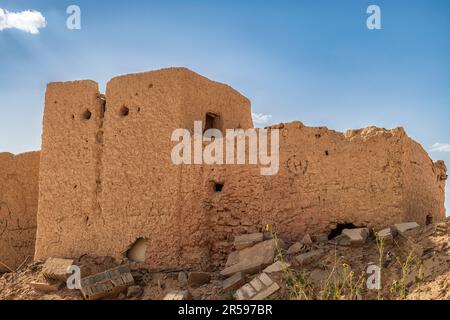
[259,118]
[27,21]
[440,147]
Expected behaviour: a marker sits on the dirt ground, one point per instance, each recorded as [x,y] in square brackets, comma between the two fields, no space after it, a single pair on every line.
[404,275]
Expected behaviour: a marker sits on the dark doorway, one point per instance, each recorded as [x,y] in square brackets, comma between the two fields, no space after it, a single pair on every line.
[338,230]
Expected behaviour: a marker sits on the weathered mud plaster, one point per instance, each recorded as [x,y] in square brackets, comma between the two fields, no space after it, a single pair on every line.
[18,207]
[107,178]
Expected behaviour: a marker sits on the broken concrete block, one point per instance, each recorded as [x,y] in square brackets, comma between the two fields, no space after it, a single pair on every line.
[234,282]
[46,287]
[56,269]
[247,240]
[233,258]
[403,227]
[197,279]
[309,257]
[178,295]
[254,259]
[357,236]
[106,284]
[307,239]
[296,248]
[387,234]
[278,266]
[260,288]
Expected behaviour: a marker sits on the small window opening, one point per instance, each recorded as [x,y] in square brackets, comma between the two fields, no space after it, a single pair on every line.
[327,153]
[211,121]
[339,228]
[87,115]
[218,187]
[124,111]
[429,220]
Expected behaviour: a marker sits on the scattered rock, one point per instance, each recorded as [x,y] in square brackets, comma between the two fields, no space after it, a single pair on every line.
[320,238]
[56,269]
[197,279]
[309,257]
[403,227]
[341,240]
[178,295]
[387,234]
[135,291]
[252,260]
[247,240]
[182,278]
[277,267]
[296,248]
[357,236]
[234,282]
[46,287]
[307,239]
[260,288]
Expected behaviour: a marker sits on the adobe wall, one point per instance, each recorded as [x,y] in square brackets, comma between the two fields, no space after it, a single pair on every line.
[18,207]
[326,178]
[109,180]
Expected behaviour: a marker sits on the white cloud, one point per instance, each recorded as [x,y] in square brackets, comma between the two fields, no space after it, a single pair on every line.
[27,21]
[440,147]
[259,118]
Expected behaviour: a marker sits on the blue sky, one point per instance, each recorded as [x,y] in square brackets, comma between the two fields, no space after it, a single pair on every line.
[313,61]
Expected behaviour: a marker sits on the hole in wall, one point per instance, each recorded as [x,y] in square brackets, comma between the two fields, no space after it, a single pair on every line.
[124,111]
[327,153]
[87,115]
[429,220]
[73,117]
[137,250]
[139,109]
[339,228]
[211,121]
[218,187]
[150,85]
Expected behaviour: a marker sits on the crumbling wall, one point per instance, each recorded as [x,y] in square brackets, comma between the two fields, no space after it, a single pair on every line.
[18,207]
[327,178]
[107,179]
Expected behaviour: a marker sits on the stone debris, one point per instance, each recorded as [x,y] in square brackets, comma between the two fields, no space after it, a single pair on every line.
[46,287]
[182,278]
[297,248]
[320,238]
[357,236]
[106,284]
[247,240]
[234,282]
[406,226]
[57,269]
[260,288]
[134,291]
[341,240]
[278,266]
[307,239]
[254,259]
[441,228]
[178,295]
[386,234]
[197,279]
[309,257]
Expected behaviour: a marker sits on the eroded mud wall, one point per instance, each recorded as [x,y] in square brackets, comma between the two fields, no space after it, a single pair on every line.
[18,207]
